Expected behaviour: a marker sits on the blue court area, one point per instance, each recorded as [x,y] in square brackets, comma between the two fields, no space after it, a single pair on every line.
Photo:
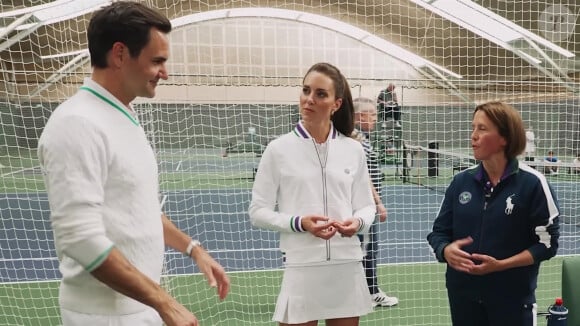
[219,219]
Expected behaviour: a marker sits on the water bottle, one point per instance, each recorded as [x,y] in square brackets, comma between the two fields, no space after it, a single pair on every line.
[557,314]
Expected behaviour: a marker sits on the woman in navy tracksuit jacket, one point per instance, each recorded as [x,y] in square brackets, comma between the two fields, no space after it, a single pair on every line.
[497,222]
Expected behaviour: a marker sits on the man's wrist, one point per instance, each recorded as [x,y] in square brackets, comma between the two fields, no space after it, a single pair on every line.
[192,244]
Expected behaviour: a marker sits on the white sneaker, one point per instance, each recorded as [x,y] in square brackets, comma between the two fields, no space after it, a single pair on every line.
[381,299]
[398,124]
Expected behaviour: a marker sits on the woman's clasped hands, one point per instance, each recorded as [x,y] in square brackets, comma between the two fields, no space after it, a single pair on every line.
[325,227]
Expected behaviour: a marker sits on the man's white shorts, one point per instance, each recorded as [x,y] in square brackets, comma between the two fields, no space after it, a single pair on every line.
[148,317]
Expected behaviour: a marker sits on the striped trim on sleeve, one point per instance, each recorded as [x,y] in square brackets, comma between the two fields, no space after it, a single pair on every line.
[361,225]
[296,224]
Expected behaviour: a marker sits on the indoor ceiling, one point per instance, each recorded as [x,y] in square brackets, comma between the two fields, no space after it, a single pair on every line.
[403,22]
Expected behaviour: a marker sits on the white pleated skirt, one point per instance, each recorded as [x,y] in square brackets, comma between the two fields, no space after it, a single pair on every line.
[322,292]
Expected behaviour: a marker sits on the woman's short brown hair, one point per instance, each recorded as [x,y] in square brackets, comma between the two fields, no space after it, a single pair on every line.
[509,124]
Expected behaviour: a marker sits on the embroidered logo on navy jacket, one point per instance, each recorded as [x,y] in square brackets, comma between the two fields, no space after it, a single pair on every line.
[509,205]
[465,197]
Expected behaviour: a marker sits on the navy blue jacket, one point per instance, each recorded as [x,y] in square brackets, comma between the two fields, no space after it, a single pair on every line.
[519,213]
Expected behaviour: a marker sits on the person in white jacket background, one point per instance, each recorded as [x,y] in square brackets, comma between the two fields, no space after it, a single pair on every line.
[312,186]
[530,150]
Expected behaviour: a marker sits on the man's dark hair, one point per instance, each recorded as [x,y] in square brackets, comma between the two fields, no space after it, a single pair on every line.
[127,22]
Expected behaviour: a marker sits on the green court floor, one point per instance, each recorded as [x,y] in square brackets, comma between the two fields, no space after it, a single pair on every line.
[420,288]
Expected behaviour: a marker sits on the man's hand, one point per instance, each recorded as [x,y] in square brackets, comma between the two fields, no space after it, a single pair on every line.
[120,275]
[318,225]
[213,271]
[174,314]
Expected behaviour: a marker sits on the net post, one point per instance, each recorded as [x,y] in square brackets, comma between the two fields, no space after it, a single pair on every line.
[406,162]
[433,160]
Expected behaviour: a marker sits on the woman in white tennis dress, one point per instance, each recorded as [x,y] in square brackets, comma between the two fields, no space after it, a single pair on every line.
[312,186]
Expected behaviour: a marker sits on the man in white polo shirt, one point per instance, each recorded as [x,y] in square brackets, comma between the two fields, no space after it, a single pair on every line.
[101,178]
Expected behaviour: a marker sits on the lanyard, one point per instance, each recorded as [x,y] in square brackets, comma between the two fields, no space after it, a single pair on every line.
[113,104]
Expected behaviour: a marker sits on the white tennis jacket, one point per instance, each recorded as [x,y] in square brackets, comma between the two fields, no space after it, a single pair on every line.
[292,182]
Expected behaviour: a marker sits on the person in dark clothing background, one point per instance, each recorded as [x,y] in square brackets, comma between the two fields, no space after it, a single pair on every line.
[388,105]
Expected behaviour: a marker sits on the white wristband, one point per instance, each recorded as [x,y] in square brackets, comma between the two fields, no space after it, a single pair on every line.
[190,246]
